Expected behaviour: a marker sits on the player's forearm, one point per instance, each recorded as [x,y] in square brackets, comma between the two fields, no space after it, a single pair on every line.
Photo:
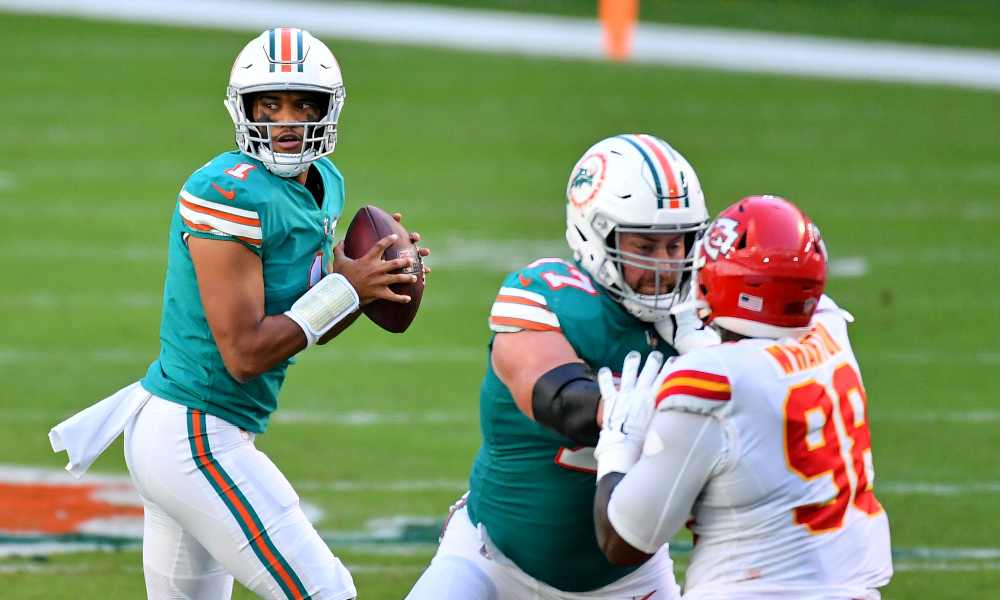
[619,552]
[252,353]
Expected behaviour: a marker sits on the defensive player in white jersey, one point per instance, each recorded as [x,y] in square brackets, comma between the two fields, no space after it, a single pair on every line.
[634,208]
[250,283]
[764,440]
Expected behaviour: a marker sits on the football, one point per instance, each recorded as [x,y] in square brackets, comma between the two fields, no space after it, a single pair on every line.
[369,226]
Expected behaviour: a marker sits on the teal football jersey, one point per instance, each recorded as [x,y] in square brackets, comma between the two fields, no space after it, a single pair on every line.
[235,198]
[530,487]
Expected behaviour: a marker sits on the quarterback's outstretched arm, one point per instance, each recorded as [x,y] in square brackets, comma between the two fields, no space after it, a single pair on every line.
[231,285]
[639,511]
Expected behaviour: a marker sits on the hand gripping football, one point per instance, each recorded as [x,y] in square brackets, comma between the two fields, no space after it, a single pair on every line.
[369,226]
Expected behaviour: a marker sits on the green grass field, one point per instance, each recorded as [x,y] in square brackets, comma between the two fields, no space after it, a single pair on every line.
[106,121]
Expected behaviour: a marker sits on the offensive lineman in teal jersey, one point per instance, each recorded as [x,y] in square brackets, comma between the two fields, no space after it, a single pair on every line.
[525,530]
[250,283]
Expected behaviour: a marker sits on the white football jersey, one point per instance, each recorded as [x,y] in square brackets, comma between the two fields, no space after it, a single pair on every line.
[787,508]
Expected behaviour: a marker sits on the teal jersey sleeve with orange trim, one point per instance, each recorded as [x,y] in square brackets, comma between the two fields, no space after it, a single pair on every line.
[552,294]
[223,199]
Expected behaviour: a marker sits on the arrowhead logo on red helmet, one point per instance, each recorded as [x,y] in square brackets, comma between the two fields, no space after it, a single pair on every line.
[721,237]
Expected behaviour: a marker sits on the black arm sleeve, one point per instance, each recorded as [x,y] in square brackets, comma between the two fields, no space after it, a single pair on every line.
[565,400]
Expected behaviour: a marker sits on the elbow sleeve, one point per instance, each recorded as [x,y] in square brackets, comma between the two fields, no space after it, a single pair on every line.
[565,400]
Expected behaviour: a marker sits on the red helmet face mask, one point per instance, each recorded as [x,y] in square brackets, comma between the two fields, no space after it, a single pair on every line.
[762,268]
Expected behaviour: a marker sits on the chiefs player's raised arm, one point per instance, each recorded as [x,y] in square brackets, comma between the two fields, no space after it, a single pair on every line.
[231,285]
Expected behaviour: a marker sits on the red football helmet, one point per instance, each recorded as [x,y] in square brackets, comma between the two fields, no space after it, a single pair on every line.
[762,268]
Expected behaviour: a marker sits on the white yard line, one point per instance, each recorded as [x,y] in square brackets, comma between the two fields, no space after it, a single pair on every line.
[975,416]
[446,355]
[921,357]
[359,418]
[408,534]
[440,355]
[417,485]
[76,300]
[908,565]
[939,489]
[549,36]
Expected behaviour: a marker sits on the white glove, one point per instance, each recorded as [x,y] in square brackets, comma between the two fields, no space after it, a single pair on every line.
[690,331]
[627,412]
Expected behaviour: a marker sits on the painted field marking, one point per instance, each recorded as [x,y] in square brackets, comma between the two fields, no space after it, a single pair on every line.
[37,503]
[360,418]
[938,489]
[77,251]
[417,485]
[35,568]
[850,267]
[906,565]
[921,357]
[441,354]
[975,416]
[496,255]
[64,300]
[898,565]
[561,37]
[45,511]
[8,181]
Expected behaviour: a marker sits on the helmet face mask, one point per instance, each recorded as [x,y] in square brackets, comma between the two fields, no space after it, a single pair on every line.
[634,184]
[671,276]
[282,60]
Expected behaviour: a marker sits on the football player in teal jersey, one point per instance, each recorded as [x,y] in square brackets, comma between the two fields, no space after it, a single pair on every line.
[252,279]
[634,209]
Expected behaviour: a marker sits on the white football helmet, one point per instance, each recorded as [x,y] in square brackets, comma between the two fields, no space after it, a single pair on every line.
[634,184]
[285,59]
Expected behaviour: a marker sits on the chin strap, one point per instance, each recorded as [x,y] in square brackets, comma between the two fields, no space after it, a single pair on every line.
[323,306]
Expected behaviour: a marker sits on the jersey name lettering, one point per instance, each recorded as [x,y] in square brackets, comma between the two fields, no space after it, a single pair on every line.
[815,349]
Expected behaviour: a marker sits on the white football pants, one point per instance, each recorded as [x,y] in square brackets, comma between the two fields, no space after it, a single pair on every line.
[217,508]
[468,566]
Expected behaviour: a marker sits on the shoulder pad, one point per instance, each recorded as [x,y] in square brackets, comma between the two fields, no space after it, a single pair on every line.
[698,382]
[217,200]
[534,297]
[826,305]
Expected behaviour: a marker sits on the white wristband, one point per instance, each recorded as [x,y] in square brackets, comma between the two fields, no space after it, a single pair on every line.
[323,306]
[615,453]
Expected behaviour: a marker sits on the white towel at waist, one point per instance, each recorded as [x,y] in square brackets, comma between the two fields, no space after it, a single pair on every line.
[89,432]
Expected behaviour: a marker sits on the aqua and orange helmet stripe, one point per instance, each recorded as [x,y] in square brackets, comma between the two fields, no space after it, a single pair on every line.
[280,49]
[660,158]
